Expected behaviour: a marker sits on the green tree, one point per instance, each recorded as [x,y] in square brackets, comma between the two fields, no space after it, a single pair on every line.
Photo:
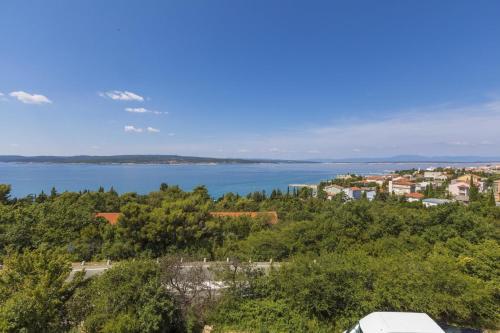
[4,193]
[34,289]
[473,190]
[126,298]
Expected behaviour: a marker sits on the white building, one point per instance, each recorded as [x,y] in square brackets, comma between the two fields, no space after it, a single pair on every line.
[459,189]
[370,194]
[379,180]
[432,202]
[435,175]
[401,187]
[396,322]
[353,193]
[332,190]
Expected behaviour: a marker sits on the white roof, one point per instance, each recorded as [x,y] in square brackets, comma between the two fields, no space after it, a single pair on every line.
[399,322]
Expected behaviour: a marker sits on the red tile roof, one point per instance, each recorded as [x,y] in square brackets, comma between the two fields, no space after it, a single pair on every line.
[403,182]
[415,195]
[112,218]
[272,216]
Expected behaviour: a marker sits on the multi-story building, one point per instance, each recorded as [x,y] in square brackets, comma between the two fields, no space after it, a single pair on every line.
[496,190]
[401,186]
[459,189]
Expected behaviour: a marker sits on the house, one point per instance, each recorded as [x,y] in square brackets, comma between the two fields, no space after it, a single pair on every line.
[415,196]
[401,186]
[332,190]
[270,216]
[379,180]
[475,179]
[370,194]
[496,189]
[436,175]
[422,186]
[459,188]
[432,202]
[353,193]
[112,218]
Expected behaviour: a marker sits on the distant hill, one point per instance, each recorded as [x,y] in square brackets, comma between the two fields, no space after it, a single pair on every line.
[417,158]
[138,159]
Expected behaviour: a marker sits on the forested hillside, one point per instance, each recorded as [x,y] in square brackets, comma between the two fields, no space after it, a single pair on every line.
[339,261]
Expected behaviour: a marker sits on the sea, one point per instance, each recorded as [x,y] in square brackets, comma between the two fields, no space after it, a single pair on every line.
[32,178]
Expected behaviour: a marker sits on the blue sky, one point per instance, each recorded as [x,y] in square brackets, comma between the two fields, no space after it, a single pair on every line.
[278,79]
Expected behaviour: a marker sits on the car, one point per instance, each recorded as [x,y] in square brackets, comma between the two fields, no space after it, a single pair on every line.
[396,322]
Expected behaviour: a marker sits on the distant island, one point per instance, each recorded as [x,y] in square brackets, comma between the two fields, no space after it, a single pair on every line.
[179,159]
[137,159]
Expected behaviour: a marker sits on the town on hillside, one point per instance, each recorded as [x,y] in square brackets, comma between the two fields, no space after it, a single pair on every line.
[432,186]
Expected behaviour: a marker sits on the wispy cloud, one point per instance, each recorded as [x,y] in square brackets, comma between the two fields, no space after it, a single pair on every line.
[444,129]
[143,110]
[132,129]
[119,95]
[439,130]
[137,110]
[28,98]
[152,130]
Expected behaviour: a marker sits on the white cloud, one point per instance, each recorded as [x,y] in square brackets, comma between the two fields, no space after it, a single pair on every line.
[443,130]
[30,98]
[143,110]
[137,110]
[130,128]
[119,95]
[152,129]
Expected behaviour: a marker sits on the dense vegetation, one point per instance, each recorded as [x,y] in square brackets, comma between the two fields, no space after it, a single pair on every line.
[144,159]
[340,261]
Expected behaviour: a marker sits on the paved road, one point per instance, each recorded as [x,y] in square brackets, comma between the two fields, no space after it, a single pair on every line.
[92,269]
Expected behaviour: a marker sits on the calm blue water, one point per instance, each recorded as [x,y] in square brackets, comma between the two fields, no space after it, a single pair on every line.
[28,178]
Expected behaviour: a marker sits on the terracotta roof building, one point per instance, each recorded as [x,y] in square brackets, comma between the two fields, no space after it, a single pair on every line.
[401,186]
[112,218]
[415,196]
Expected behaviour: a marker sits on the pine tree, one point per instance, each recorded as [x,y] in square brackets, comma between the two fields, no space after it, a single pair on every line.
[473,190]
[53,193]
[491,199]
